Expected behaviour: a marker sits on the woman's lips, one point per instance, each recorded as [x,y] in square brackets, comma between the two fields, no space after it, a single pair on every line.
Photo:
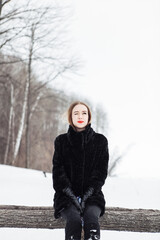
[80,121]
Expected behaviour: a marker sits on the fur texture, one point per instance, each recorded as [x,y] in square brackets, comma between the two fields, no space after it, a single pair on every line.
[80,161]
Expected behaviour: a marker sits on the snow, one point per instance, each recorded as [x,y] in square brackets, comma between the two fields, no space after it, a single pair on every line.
[31,188]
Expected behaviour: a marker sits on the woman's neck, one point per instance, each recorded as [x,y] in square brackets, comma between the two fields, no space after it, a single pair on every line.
[80,129]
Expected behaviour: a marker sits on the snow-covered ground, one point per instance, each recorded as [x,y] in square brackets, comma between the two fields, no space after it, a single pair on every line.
[30,187]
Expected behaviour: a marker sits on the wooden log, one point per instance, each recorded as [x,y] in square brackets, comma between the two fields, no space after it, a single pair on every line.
[119,219]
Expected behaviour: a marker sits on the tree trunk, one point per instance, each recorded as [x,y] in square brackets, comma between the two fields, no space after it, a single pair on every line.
[32,39]
[13,137]
[22,121]
[9,124]
[119,219]
[0,7]
[40,94]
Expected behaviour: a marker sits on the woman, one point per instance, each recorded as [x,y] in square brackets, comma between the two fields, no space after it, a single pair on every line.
[80,165]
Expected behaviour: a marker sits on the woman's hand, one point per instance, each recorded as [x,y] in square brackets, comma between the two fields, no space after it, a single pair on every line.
[68,191]
[88,193]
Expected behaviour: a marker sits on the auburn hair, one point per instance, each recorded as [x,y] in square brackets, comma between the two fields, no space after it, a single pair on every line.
[70,112]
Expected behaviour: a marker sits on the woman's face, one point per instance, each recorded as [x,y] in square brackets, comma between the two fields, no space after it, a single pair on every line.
[80,116]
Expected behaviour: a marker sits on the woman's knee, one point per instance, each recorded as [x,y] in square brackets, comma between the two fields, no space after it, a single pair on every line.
[92,212]
[71,214]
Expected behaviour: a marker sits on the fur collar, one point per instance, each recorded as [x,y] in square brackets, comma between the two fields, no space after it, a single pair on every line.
[80,138]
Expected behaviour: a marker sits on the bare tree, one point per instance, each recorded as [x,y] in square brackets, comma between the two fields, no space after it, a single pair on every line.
[116,157]
[40,41]
[9,29]
[11,88]
[100,119]
[2,3]
[37,38]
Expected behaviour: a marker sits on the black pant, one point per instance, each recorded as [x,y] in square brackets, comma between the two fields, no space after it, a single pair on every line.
[74,222]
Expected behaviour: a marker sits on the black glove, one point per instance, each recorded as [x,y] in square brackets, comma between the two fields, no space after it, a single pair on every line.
[86,196]
[68,191]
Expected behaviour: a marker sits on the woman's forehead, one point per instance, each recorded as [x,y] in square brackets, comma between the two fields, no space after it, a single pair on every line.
[80,107]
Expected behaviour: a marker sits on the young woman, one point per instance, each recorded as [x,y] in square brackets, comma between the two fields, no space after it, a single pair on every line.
[80,165]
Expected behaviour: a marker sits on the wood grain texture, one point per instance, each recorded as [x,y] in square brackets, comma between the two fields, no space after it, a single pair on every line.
[119,219]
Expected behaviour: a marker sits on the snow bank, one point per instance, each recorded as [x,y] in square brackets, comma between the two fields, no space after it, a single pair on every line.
[25,187]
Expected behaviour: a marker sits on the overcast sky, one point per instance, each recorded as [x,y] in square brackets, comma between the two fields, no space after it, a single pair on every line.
[119,43]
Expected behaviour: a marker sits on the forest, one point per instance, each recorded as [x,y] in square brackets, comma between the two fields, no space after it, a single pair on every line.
[34,55]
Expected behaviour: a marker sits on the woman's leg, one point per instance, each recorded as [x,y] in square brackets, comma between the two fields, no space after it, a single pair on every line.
[73,227]
[91,224]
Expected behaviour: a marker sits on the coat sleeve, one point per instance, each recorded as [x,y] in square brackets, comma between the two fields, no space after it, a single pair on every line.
[100,170]
[60,180]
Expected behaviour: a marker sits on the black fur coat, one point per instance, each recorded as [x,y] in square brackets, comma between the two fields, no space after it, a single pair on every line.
[80,161]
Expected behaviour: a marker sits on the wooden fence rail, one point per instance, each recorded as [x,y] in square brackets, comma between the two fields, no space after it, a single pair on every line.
[120,219]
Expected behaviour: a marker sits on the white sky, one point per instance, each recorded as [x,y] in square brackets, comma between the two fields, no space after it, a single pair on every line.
[119,43]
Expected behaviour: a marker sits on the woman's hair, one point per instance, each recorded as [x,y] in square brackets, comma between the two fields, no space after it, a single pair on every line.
[70,112]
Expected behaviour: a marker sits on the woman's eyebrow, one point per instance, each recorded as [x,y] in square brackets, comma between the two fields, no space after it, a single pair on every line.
[78,111]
